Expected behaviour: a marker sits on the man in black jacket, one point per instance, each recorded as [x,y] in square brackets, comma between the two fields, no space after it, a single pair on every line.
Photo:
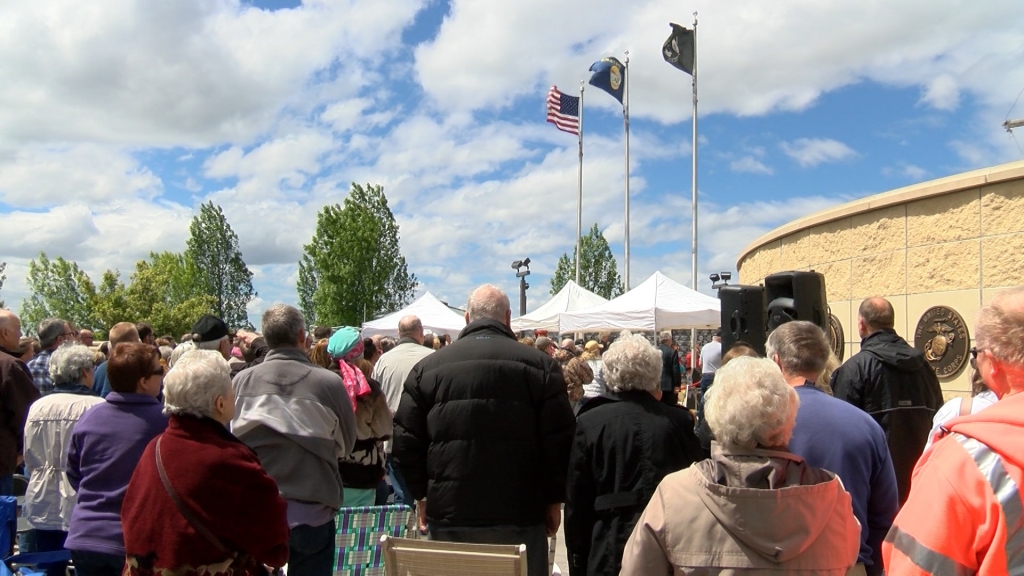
[671,375]
[483,433]
[891,381]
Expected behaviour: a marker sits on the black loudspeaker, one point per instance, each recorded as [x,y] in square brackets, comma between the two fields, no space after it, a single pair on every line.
[744,316]
[796,296]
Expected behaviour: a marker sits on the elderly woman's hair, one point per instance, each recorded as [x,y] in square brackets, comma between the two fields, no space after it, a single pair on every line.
[751,405]
[69,363]
[195,382]
[632,363]
[318,354]
[180,351]
[129,363]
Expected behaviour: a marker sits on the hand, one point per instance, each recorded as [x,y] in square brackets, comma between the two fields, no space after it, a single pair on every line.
[247,336]
[421,514]
[553,519]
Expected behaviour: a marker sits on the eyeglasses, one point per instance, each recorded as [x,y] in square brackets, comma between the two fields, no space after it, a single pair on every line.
[159,371]
[974,356]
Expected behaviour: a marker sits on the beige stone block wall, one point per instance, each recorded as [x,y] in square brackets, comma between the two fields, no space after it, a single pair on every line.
[1003,260]
[837,278]
[830,242]
[1002,208]
[944,218]
[877,274]
[759,264]
[881,230]
[944,267]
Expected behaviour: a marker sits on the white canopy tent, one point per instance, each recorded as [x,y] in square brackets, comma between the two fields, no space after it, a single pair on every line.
[659,303]
[434,314]
[571,297]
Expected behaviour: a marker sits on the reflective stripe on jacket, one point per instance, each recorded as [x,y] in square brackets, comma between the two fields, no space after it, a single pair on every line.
[965,514]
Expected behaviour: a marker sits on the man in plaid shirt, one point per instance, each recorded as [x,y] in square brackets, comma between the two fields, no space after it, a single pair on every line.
[52,332]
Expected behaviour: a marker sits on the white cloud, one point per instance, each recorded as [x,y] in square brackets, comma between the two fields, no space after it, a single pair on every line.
[754,57]
[942,93]
[751,165]
[38,175]
[191,72]
[809,152]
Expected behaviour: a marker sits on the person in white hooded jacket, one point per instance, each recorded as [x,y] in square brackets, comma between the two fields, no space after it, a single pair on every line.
[50,498]
[753,507]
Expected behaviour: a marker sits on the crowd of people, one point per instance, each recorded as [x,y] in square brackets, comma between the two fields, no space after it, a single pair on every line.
[231,452]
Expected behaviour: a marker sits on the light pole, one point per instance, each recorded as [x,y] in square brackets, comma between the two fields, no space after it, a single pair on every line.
[523,286]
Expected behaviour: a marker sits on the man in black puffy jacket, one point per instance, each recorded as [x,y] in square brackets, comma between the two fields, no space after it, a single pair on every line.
[483,433]
[891,381]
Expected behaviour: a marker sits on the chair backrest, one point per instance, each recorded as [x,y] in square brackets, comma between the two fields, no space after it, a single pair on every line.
[405,557]
[359,530]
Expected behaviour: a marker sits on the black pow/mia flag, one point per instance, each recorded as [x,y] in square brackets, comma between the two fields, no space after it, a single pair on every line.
[679,48]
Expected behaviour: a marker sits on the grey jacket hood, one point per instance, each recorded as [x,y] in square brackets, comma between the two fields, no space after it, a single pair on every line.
[742,488]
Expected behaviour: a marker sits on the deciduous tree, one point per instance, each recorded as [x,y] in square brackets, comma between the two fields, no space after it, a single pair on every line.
[60,289]
[598,269]
[220,270]
[353,269]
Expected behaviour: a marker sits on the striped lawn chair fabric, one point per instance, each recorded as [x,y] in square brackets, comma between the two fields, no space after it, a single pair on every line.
[357,543]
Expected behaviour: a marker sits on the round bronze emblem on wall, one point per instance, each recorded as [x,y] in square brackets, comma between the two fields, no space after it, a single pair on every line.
[942,335]
[836,336]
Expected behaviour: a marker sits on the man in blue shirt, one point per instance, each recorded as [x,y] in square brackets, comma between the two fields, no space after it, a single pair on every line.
[839,437]
[119,333]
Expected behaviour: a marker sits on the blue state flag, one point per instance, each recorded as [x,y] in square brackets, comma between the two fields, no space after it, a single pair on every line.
[610,76]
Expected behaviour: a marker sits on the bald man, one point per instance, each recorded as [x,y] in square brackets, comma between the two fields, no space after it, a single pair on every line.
[17,392]
[894,384]
[491,465]
[120,332]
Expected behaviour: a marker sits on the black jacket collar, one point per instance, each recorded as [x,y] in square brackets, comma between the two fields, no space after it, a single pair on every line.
[487,325]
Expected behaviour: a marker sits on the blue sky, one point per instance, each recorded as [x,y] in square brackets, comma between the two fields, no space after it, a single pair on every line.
[118,118]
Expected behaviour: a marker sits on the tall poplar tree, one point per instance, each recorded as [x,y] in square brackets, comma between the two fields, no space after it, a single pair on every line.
[598,269]
[353,270]
[220,271]
[3,268]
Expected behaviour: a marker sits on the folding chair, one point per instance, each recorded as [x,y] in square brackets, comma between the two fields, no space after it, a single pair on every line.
[359,530]
[403,557]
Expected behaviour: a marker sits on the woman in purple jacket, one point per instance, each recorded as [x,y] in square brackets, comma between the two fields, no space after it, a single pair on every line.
[106,445]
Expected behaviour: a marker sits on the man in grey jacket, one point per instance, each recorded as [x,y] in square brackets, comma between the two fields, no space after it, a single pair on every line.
[391,370]
[298,419]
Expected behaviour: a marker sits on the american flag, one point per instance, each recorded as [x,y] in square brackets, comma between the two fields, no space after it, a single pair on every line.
[564,111]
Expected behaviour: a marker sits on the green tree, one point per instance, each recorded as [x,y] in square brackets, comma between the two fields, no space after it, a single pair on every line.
[164,293]
[220,270]
[306,287]
[60,289]
[3,267]
[598,269]
[353,269]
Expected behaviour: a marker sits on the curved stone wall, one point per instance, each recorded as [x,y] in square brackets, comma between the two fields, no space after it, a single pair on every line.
[950,242]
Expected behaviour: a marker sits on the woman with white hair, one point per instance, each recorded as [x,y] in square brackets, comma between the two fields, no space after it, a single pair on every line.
[753,507]
[50,498]
[625,443]
[199,501]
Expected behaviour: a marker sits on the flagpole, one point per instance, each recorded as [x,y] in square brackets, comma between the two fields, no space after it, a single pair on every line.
[693,203]
[625,118]
[579,194]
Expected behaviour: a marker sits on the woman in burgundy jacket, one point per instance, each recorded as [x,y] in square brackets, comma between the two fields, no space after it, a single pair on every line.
[199,501]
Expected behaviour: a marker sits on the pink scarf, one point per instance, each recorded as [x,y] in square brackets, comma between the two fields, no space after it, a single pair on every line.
[355,381]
